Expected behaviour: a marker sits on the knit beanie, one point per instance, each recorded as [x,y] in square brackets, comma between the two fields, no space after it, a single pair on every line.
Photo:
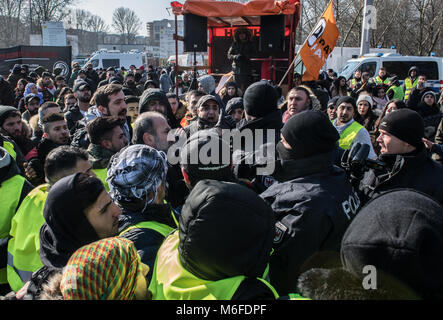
[400,233]
[365,98]
[347,99]
[310,133]
[208,83]
[405,124]
[103,270]
[427,93]
[260,99]
[5,111]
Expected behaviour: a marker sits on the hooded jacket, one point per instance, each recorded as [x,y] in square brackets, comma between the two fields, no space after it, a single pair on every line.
[65,230]
[157,94]
[216,241]
[240,52]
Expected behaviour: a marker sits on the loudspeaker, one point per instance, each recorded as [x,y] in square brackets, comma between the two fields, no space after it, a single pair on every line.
[195,33]
[272,33]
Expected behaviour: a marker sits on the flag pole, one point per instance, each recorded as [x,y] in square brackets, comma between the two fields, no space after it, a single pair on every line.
[298,52]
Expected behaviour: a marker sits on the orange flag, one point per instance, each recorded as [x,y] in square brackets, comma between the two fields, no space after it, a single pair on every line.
[319,44]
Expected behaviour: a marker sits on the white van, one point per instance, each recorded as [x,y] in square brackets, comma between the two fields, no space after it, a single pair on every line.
[396,64]
[114,58]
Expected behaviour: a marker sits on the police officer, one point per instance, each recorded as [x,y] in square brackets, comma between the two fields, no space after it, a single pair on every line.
[313,201]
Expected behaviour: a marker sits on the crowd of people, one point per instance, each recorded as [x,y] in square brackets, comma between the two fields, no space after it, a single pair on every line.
[94,207]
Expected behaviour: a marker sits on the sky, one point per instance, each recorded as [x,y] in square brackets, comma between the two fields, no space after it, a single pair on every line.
[146,10]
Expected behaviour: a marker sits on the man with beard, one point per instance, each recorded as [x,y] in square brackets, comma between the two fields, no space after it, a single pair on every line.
[107,138]
[92,74]
[12,126]
[60,83]
[208,112]
[82,91]
[350,130]
[109,101]
[154,99]
[151,128]
[55,134]
[32,104]
[46,86]
[130,88]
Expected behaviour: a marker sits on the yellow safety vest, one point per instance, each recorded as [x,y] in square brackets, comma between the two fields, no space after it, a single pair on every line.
[170,281]
[10,192]
[398,92]
[379,80]
[409,86]
[24,244]
[10,148]
[102,174]
[296,296]
[348,135]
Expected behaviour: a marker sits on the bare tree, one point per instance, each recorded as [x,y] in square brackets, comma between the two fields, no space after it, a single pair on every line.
[49,10]
[126,22]
[414,27]
[11,23]
[97,24]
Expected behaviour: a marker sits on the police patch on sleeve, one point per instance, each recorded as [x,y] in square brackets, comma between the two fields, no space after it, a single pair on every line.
[280,230]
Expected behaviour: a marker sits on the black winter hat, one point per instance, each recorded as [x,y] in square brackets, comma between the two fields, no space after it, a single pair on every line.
[405,124]
[225,230]
[234,103]
[310,133]
[400,233]
[217,166]
[5,111]
[260,99]
[346,99]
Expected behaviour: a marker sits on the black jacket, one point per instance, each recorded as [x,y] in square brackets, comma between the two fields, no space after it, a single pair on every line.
[72,116]
[313,203]
[146,241]
[415,170]
[247,168]
[235,248]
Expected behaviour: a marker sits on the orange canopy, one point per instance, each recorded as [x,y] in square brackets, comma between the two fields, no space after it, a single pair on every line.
[217,8]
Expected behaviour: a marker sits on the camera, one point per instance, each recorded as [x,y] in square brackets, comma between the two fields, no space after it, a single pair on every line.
[355,161]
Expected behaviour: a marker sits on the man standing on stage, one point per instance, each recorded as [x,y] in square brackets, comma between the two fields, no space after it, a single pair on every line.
[241,50]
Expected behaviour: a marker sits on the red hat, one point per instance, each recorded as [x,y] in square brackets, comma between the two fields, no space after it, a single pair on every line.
[141,67]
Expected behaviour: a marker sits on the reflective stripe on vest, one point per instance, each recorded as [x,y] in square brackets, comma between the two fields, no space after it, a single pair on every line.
[10,148]
[24,244]
[170,281]
[296,296]
[409,86]
[398,92]
[102,174]
[349,134]
[10,192]
[161,228]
